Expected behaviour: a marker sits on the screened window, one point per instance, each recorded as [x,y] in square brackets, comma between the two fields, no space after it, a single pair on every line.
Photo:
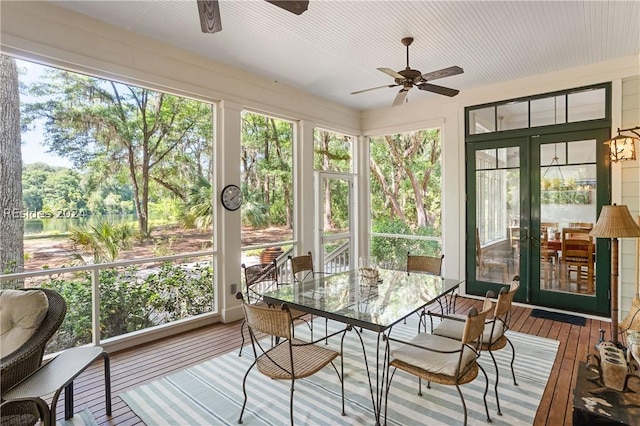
[111,172]
[267,185]
[332,151]
[406,196]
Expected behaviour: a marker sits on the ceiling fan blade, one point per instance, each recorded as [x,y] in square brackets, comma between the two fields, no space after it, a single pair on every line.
[293,6]
[438,89]
[209,12]
[445,72]
[374,88]
[400,97]
[391,72]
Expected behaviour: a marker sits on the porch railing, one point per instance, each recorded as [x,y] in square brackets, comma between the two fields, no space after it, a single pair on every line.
[115,304]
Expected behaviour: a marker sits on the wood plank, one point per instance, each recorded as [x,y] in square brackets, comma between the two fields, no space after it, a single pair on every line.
[135,366]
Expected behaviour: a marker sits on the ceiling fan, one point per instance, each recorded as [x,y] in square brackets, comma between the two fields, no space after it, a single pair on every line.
[408,78]
[209,11]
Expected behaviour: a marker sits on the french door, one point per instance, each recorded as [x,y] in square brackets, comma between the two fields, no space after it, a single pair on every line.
[529,199]
[333,221]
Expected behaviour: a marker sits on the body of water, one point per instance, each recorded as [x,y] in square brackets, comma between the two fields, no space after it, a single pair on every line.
[62,224]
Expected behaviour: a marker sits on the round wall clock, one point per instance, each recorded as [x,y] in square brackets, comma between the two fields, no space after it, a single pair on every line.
[231,197]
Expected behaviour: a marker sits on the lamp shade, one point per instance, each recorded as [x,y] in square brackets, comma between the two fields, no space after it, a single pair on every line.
[622,148]
[615,222]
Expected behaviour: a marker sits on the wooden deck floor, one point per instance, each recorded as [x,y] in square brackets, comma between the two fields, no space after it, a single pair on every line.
[135,366]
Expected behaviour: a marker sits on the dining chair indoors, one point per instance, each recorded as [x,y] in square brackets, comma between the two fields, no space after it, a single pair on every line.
[258,279]
[577,255]
[548,258]
[290,359]
[493,337]
[486,264]
[443,360]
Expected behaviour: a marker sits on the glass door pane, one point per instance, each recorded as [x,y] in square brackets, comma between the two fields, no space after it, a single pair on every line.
[497,231]
[568,201]
[334,221]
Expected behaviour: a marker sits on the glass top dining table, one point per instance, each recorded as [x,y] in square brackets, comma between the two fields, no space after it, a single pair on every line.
[350,298]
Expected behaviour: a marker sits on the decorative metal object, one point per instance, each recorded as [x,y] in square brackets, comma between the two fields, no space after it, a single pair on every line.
[622,147]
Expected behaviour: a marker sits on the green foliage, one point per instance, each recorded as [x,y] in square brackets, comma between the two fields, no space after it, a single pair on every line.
[391,252]
[267,170]
[198,206]
[103,240]
[332,151]
[255,212]
[52,189]
[129,303]
[182,292]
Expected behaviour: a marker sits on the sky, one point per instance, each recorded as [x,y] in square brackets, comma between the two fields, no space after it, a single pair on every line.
[32,149]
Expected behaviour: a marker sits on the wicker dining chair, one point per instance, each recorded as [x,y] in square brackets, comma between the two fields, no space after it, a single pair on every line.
[27,358]
[430,265]
[443,360]
[258,279]
[302,269]
[494,337]
[577,255]
[291,358]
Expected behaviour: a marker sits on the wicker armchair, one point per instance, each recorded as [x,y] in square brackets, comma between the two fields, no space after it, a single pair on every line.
[494,337]
[28,358]
[290,358]
[19,412]
[443,360]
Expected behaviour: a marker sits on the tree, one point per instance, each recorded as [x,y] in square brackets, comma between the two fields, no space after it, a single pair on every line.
[11,220]
[267,170]
[332,153]
[117,127]
[406,169]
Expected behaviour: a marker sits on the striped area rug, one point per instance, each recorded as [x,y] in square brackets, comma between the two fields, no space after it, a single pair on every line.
[83,418]
[211,393]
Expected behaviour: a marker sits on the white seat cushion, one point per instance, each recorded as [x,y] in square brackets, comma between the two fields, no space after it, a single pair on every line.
[454,329]
[21,313]
[433,362]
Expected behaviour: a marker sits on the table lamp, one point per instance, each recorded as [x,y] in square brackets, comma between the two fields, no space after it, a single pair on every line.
[615,222]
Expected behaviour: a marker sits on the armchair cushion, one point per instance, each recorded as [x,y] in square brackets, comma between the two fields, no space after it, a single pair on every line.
[454,329]
[21,313]
[434,362]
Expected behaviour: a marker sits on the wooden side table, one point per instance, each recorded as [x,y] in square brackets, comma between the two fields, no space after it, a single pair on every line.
[594,404]
[59,374]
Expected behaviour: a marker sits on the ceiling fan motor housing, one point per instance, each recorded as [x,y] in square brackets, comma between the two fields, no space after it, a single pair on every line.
[410,76]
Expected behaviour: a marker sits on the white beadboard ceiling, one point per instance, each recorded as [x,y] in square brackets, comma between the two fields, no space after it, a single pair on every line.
[334,47]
